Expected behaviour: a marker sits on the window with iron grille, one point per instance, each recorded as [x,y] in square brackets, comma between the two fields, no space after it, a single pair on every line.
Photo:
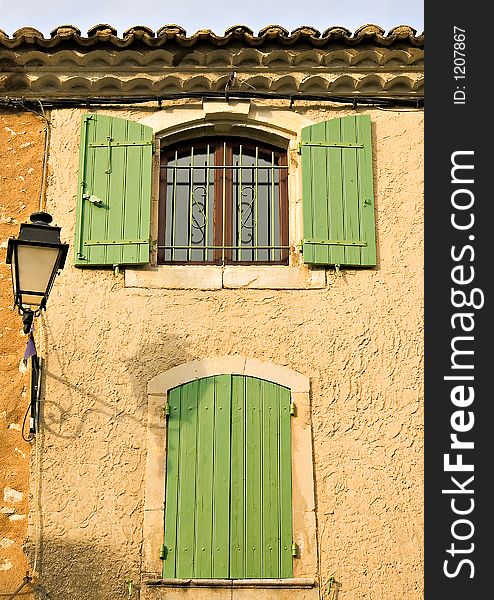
[223,201]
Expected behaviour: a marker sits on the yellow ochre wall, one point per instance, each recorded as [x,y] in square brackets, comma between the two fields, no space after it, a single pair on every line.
[21,154]
[358,339]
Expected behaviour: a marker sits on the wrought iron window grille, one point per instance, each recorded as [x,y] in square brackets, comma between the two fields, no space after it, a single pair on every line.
[223,202]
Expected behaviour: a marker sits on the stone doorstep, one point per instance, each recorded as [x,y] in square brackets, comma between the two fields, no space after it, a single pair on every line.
[295,583]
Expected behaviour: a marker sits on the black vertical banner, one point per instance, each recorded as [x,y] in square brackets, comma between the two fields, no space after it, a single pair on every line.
[459,356]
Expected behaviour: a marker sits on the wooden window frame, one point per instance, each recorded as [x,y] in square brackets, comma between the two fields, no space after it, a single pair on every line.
[223,155]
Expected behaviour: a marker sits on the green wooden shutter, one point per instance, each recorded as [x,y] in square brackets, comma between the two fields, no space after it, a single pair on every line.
[114,195]
[228,506]
[337,192]
[261,496]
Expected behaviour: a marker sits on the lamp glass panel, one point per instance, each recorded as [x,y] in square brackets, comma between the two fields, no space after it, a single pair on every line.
[35,266]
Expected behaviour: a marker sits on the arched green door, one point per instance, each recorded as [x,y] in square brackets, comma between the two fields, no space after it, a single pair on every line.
[228,503]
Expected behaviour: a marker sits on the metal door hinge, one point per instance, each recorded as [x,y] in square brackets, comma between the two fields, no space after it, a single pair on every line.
[111,143]
[327,145]
[166,409]
[294,550]
[336,242]
[163,552]
[293,409]
[115,242]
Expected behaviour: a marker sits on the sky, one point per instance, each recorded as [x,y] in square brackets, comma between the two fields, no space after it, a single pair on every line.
[216,15]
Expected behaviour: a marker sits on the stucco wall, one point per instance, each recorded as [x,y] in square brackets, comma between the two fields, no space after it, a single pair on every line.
[359,340]
[21,153]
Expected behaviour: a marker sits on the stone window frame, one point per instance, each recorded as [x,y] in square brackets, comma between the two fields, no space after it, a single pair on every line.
[239,118]
[305,569]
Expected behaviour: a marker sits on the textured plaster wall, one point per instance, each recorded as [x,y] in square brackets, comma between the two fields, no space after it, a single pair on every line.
[359,341]
[21,152]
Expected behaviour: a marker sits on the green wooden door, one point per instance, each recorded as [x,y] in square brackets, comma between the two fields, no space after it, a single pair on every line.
[228,506]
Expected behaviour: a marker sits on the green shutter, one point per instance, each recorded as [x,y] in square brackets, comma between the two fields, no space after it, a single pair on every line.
[114,195]
[228,503]
[337,192]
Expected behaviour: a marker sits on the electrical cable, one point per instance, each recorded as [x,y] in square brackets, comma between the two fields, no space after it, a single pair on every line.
[417,102]
[37,457]
[37,501]
[44,168]
[30,438]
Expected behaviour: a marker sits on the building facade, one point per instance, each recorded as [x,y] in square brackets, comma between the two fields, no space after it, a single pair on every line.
[232,357]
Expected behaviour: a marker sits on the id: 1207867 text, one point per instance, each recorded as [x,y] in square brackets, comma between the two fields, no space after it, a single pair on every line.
[459,65]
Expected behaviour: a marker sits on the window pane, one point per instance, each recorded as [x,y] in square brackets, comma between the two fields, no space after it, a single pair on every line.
[245,203]
[265,205]
[188,205]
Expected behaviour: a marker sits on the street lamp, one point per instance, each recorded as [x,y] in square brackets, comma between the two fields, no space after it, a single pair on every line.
[36,256]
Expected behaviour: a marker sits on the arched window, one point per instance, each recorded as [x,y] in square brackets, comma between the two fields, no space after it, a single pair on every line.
[223,201]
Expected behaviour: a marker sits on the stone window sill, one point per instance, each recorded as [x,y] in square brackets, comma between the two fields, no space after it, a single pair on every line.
[296,583]
[210,277]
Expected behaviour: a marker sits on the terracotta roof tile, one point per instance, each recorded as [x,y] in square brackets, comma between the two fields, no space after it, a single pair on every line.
[269,34]
[65,31]
[171,29]
[143,63]
[102,29]
[369,30]
[239,30]
[273,31]
[139,31]
[27,33]
[307,31]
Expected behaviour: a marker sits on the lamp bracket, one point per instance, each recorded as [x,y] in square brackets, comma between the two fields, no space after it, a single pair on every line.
[27,319]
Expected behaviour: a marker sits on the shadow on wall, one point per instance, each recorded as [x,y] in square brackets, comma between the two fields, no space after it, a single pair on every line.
[65,416]
[84,572]
[71,414]
[95,392]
